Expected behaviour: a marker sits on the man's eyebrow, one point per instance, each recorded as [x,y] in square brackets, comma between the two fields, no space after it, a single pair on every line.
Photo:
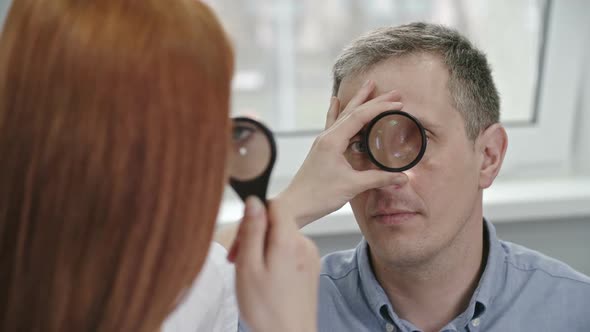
[361,133]
[427,123]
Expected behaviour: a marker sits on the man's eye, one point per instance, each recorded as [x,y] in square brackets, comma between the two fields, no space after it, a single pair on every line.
[240,134]
[357,147]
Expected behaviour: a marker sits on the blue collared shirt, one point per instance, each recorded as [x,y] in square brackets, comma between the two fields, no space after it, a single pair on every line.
[520,290]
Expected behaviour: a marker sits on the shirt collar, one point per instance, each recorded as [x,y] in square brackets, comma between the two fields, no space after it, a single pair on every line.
[492,278]
[494,274]
[374,293]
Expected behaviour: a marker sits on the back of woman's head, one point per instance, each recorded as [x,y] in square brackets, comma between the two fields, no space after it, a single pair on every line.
[113,136]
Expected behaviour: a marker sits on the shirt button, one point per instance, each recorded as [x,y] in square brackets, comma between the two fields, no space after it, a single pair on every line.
[475,322]
[389,327]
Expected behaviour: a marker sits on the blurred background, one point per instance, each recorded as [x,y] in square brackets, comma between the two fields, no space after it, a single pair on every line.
[539,51]
[286,49]
[540,54]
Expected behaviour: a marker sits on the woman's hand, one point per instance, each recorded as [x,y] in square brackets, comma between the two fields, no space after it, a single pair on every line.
[277,271]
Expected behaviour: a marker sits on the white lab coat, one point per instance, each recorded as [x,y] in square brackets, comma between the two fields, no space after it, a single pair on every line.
[210,304]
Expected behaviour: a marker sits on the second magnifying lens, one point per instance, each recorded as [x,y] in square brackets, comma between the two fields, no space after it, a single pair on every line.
[252,157]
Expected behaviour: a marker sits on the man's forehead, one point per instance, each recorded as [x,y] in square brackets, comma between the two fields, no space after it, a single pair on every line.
[349,86]
[395,73]
[421,80]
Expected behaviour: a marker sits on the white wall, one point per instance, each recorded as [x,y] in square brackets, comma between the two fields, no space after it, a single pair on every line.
[582,131]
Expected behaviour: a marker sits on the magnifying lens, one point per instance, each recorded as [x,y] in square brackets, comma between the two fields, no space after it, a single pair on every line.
[252,157]
[395,141]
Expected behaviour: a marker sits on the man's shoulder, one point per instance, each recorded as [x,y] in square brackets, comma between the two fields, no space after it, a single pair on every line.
[533,283]
[532,263]
[339,264]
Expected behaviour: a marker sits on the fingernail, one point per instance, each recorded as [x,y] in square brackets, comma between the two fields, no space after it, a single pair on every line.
[253,206]
[231,255]
[399,178]
[366,83]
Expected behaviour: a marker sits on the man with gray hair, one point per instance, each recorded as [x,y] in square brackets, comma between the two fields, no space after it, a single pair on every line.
[429,261]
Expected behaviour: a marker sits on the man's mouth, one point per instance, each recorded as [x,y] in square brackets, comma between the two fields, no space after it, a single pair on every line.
[393,216]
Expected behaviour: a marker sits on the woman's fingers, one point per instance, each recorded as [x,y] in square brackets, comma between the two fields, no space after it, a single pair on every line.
[251,236]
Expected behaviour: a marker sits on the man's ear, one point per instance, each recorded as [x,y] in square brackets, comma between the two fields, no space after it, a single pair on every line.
[492,144]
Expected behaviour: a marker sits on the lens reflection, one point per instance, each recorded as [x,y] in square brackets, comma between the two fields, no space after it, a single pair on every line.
[250,152]
[396,141]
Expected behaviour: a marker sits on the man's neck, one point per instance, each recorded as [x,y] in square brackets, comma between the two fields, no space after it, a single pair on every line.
[432,294]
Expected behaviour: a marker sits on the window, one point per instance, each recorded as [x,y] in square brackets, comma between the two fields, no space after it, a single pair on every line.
[285,50]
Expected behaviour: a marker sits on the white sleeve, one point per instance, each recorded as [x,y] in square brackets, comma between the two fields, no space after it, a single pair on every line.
[210,303]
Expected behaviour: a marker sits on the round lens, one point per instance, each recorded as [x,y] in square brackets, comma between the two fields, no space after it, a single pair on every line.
[396,141]
[251,150]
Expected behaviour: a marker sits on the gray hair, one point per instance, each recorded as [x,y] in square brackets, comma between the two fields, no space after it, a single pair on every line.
[470,83]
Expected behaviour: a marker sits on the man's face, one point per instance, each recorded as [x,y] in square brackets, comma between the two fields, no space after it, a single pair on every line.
[410,223]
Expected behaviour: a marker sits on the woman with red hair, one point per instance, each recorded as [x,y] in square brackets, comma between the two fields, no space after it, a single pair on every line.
[114,132]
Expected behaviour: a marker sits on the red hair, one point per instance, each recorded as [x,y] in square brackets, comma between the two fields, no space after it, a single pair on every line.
[113,137]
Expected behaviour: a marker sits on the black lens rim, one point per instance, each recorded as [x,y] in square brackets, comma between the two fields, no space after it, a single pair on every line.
[422,147]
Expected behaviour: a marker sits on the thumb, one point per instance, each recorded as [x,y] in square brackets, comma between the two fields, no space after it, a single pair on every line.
[252,233]
[372,179]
